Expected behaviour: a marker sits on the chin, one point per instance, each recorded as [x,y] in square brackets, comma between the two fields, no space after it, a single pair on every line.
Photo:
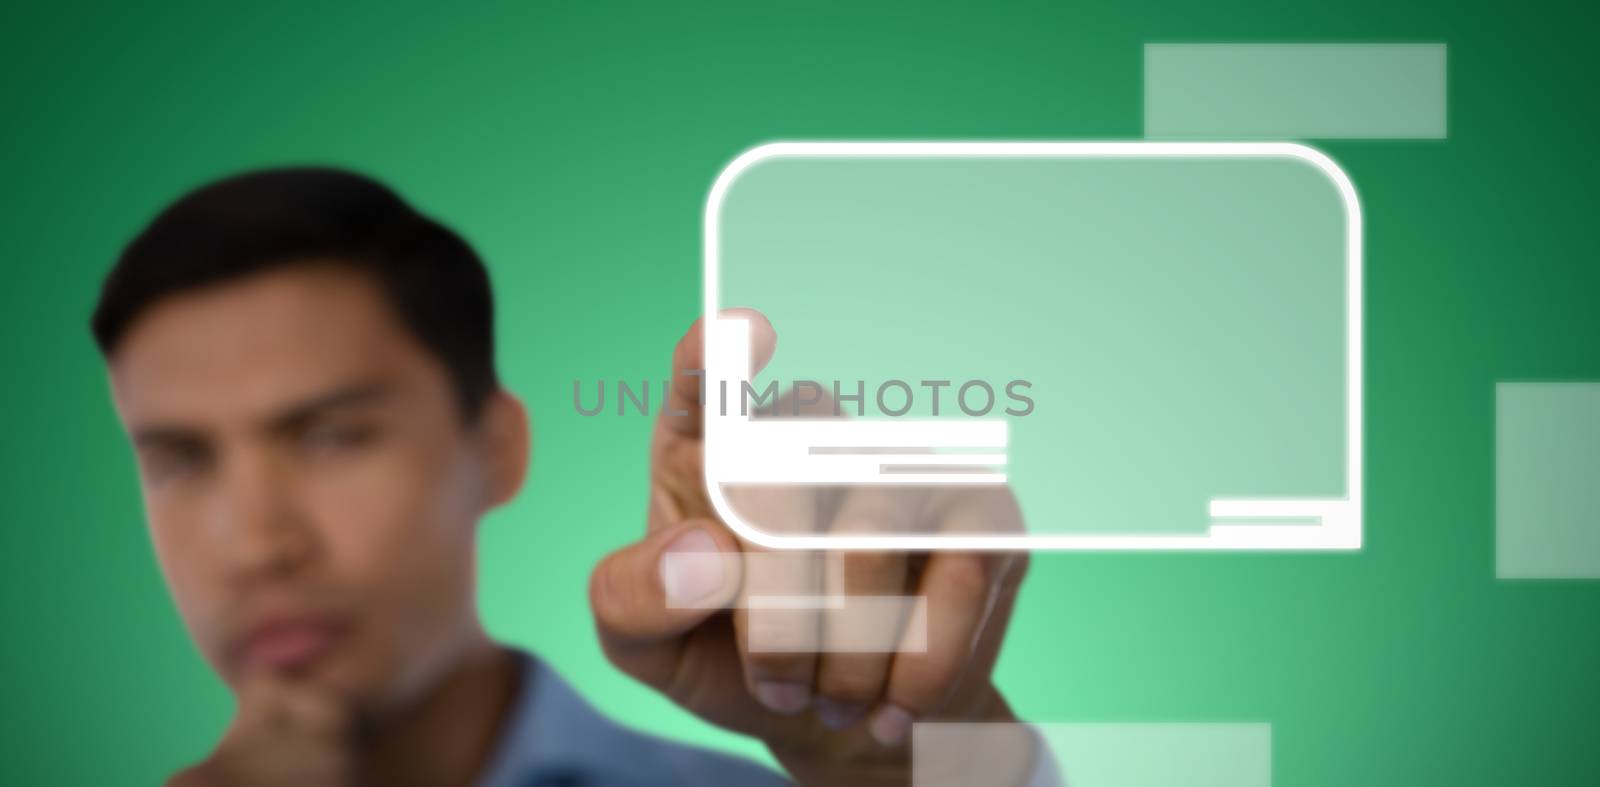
[376,686]
[366,684]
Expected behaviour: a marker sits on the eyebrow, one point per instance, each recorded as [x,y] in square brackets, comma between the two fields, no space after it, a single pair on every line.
[289,418]
[165,435]
[356,395]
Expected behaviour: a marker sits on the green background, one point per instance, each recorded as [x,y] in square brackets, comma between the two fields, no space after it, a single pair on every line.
[574,147]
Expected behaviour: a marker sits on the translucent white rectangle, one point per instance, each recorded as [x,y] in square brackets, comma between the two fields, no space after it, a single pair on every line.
[795,565]
[1092,755]
[1294,91]
[1547,480]
[795,602]
[852,624]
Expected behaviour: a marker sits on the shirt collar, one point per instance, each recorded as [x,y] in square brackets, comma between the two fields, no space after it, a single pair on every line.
[552,735]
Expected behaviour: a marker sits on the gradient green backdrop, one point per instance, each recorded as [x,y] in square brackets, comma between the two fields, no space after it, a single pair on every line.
[574,145]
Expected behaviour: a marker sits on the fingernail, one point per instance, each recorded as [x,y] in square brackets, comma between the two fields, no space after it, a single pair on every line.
[691,568]
[891,725]
[783,697]
[837,715]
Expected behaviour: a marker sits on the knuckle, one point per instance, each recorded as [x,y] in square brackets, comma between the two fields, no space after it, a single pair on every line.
[924,682]
[788,665]
[971,575]
[779,639]
[862,567]
[605,596]
[852,686]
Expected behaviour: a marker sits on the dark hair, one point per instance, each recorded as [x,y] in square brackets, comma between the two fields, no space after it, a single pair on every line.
[266,219]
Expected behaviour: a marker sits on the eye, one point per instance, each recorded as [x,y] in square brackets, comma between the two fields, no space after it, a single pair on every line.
[167,463]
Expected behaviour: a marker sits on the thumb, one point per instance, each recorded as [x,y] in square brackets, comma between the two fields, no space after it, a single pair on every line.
[667,583]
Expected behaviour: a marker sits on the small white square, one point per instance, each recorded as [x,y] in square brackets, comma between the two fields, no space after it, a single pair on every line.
[1547,480]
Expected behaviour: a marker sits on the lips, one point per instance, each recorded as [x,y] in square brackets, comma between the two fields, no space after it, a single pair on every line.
[289,643]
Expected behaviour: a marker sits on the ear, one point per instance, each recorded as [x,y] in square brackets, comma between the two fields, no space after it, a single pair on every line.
[507,444]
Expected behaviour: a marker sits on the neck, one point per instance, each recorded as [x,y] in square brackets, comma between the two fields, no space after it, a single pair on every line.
[447,736]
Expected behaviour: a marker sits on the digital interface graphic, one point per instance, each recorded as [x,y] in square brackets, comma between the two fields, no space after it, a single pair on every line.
[1156,345]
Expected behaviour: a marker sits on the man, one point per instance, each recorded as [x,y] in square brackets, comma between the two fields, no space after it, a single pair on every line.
[305,367]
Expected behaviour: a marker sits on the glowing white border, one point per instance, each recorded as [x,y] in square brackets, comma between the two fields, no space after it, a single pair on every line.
[1339,526]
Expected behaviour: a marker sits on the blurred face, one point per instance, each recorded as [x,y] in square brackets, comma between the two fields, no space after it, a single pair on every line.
[311,489]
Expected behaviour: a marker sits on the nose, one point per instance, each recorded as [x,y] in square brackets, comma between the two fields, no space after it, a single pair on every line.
[260,529]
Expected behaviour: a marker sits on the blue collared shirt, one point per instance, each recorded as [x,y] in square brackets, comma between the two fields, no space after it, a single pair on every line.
[553,738]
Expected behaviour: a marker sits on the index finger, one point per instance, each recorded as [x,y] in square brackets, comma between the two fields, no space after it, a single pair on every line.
[686,394]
